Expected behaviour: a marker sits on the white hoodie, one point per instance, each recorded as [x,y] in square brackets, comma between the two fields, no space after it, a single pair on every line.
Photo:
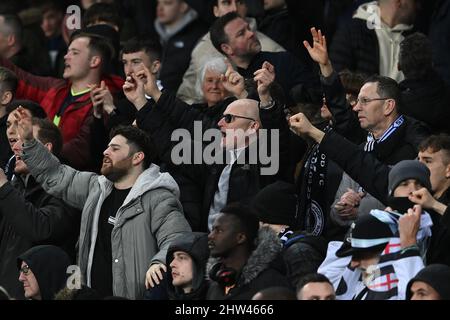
[389,39]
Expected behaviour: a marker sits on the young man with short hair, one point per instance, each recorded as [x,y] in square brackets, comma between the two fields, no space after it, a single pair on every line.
[67,102]
[186,274]
[315,286]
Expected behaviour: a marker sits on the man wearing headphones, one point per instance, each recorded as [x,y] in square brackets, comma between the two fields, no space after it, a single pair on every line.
[239,263]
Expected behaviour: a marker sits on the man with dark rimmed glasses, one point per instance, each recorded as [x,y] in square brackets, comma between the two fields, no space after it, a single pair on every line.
[375,121]
[43,271]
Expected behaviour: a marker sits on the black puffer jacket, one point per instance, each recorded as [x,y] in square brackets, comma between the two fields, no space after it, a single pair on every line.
[28,217]
[427,100]
[257,273]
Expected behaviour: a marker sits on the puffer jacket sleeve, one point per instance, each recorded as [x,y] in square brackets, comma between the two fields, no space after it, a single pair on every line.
[167,222]
[59,180]
[362,167]
[51,221]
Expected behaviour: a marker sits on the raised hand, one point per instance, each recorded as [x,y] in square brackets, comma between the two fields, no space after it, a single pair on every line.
[233,82]
[319,52]
[134,91]
[25,126]
[263,79]
[427,201]
[301,126]
[422,197]
[408,226]
[148,81]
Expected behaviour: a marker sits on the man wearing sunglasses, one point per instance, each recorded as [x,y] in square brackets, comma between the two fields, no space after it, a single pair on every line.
[238,179]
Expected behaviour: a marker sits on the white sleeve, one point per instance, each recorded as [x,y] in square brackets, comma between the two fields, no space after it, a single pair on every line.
[333,267]
[406,267]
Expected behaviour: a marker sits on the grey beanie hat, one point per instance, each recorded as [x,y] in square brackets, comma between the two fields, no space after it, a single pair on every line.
[409,169]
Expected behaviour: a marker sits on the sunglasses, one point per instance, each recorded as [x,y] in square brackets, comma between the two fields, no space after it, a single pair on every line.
[228,118]
[25,269]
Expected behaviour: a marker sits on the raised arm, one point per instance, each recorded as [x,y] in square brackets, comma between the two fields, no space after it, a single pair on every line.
[52,220]
[345,121]
[57,179]
[363,167]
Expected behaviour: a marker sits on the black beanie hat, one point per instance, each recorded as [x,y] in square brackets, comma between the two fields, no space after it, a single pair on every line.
[435,275]
[409,169]
[366,234]
[277,204]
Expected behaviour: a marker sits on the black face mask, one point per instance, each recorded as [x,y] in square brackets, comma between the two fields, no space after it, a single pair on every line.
[400,204]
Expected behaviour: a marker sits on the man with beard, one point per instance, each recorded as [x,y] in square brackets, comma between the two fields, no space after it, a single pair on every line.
[130,215]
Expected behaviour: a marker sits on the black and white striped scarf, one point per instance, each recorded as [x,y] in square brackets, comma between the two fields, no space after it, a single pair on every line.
[371,140]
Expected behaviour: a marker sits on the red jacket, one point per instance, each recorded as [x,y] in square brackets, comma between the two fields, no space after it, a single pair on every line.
[75,122]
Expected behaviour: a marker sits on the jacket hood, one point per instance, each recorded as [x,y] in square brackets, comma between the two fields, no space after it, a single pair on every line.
[49,265]
[196,245]
[367,10]
[166,34]
[371,10]
[437,276]
[268,248]
[151,179]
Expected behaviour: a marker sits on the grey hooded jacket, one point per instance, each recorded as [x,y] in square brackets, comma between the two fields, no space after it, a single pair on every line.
[148,221]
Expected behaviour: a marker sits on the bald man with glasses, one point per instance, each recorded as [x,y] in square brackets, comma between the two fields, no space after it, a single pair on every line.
[239,122]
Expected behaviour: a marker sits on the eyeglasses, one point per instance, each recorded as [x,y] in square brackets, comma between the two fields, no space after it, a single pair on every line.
[25,269]
[363,101]
[228,118]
